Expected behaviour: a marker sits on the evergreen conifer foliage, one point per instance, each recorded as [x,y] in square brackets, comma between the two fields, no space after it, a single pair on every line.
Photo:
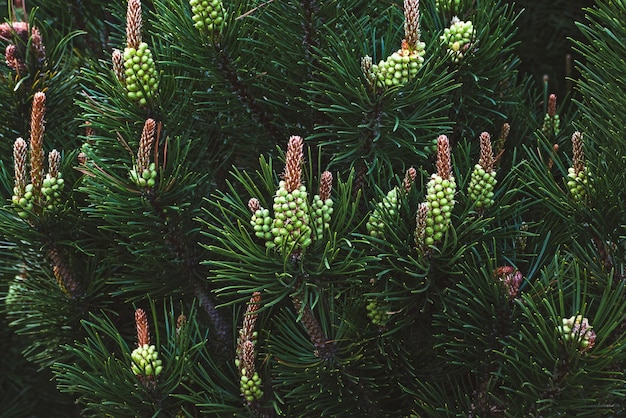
[277,208]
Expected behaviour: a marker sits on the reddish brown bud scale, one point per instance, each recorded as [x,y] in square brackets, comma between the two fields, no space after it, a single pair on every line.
[409,178]
[133,24]
[145,145]
[250,317]
[118,65]
[54,163]
[247,357]
[326,185]
[62,273]
[37,44]
[37,129]
[552,105]
[12,59]
[19,157]
[486,160]
[143,330]
[293,164]
[444,161]
[254,205]
[420,227]
[578,158]
[411,23]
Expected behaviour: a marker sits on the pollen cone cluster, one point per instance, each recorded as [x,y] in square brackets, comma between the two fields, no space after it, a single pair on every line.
[440,192]
[295,222]
[458,38]
[208,15]
[483,177]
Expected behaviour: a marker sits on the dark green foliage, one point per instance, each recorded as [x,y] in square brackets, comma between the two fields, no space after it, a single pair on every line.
[263,303]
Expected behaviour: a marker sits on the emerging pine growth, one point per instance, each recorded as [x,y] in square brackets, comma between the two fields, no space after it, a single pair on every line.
[250,382]
[43,193]
[296,222]
[144,173]
[483,178]
[403,64]
[440,192]
[138,75]
[145,358]
[579,178]
[410,306]
[551,120]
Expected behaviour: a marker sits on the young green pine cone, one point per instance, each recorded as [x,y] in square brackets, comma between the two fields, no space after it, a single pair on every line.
[147,178]
[578,183]
[250,386]
[141,76]
[458,38]
[400,66]
[440,202]
[481,185]
[145,361]
[377,313]
[321,215]
[208,15]
[291,218]
[51,190]
[388,207]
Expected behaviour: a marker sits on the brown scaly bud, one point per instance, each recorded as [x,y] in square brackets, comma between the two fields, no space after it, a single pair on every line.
[250,317]
[504,133]
[82,158]
[555,149]
[551,120]
[359,180]
[133,24]
[411,23]
[366,67]
[54,163]
[326,185]
[118,65]
[323,347]
[444,162]
[19,157]
[36,141]
[145,145]
[9,29]
[486,160]
[409,178]
[254,204]
[180,323]
[62,273]
[143,330]
[578,158]
[89,131]
[13,61]
[37,44]
[552,105]
[247,358]
[499,146]
[420,226]
[293,164]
